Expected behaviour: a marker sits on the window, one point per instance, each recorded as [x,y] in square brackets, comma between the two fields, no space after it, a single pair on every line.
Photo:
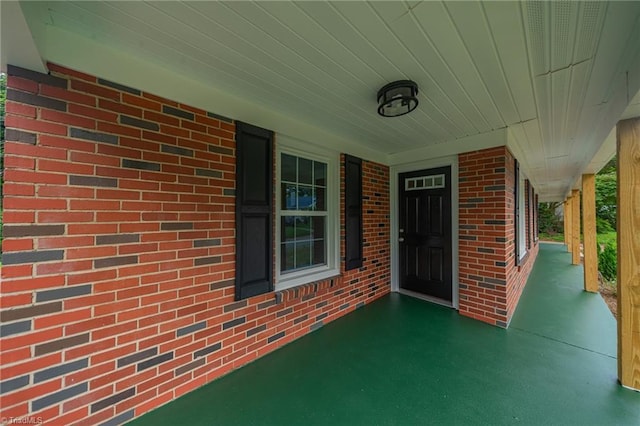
[425,182]
[307,217]
[303,213]
[519,213]
[536,213]
[522,217]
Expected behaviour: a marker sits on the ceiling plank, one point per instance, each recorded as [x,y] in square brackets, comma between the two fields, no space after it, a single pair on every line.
[438,27]
[390,46]
[564,16]
[557,75]
[507,31]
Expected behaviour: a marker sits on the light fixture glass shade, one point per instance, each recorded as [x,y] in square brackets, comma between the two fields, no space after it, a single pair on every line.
[397,98]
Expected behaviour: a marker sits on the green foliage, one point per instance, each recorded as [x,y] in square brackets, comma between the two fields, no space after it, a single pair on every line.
[603,226]
[606,197]
[610,167]
[551,237]
[608,262]
[606,209]
[607,238]
[549,221]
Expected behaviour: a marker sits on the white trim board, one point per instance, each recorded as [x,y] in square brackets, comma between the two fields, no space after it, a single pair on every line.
[17,46]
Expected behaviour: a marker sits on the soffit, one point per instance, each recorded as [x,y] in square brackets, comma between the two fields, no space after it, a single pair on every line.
[557,75]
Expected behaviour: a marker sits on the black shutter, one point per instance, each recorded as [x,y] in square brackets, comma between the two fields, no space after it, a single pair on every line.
[353,212]
[536,212]
[516,196]
[529,213]
[254,221]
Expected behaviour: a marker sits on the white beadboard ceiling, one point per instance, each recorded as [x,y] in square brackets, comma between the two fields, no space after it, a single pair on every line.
[550,79]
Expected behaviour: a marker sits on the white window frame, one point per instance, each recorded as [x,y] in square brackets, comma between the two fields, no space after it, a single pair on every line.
[522,219]
[302,149]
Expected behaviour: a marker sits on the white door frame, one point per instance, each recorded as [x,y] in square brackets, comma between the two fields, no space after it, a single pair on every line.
[395,171]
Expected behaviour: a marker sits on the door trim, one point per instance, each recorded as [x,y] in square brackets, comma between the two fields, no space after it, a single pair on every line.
[396,170]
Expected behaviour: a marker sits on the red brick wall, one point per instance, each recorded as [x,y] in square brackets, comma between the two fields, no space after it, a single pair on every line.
[517,275]
[490,283]
[118,257]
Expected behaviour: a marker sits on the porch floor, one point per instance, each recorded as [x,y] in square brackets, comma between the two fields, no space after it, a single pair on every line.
[404,361]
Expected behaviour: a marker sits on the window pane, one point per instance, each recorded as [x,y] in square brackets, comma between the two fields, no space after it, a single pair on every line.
[303,242]
[287,256]
[305,198]
[303,228]
[305,171]
[289,196]
[320,173]
[303,254]
[320,198]
[318,227]
[319,252]
[288,168]
[287,228]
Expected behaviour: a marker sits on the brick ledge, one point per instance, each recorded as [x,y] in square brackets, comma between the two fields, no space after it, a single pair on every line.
[306,290]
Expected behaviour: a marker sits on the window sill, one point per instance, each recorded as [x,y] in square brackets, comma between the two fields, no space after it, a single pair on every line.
[307,289]
[285,283]
[523,260]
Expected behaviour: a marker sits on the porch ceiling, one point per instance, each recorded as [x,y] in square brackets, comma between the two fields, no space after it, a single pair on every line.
[556,75]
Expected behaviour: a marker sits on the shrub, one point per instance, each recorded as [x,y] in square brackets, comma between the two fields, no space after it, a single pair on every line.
[603,226]
[606,197]
[608,262]
[549,220]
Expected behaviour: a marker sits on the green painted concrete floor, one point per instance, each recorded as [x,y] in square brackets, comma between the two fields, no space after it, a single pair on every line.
[402,361]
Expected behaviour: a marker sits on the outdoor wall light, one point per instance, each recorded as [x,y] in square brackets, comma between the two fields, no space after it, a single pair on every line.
[397,98]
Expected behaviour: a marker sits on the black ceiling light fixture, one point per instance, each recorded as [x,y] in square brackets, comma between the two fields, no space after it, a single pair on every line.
[397,98]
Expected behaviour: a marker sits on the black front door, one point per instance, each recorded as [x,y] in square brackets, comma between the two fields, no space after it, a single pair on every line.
[425,232]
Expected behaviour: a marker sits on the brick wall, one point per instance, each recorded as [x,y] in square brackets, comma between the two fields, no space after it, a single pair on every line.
[490,282]
[517,274]
[118,257]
